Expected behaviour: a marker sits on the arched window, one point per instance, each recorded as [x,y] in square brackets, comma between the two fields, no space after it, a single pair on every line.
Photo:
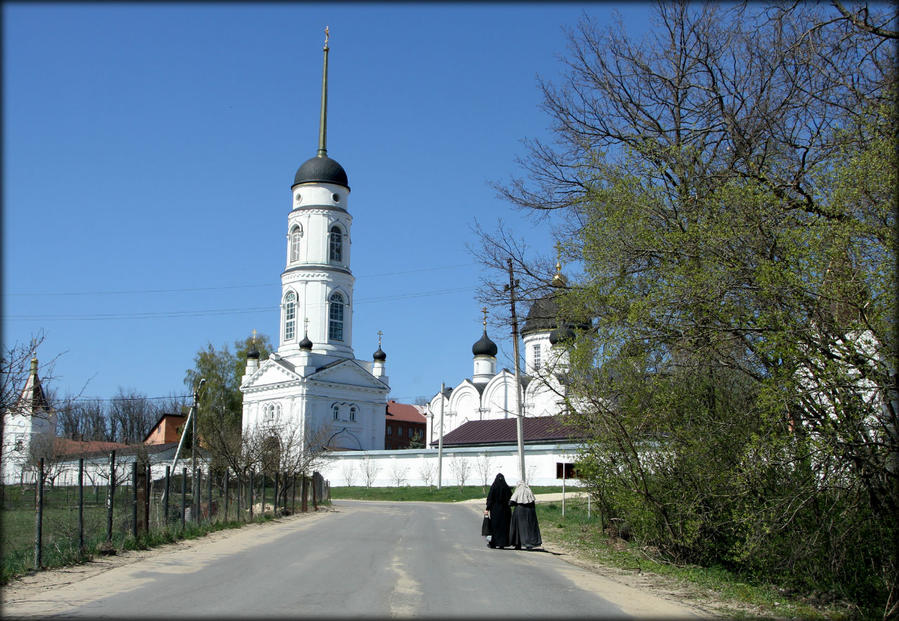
[290,316]
[296,234]
[335,247]
[335,318]
[335,411]
[353,414]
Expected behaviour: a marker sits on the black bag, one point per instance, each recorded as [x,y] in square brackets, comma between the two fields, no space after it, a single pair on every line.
[486,528]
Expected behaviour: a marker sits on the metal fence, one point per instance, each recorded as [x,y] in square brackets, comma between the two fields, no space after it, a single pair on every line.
[66,521]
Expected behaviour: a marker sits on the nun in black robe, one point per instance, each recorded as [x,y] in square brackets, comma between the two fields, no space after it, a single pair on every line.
[498,506]
[524,529]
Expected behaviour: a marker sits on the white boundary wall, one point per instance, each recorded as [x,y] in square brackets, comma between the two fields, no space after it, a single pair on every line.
[409,466]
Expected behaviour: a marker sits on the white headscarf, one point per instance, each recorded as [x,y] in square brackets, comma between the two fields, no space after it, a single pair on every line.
[523,494]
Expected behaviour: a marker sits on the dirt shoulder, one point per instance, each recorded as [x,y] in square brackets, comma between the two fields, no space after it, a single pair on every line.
[706,602]
[31,585]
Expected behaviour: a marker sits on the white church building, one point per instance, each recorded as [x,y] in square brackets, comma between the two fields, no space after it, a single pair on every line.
[314,383]
[28,427]
[491,395]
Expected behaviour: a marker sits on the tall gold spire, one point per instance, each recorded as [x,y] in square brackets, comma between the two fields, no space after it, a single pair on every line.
[323,121]
[484,310]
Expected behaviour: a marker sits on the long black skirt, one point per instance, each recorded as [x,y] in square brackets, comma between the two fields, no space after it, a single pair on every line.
[499,521]
[524,529]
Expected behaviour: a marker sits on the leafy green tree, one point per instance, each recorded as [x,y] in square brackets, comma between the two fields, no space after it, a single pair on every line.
[728,185]
[220,399]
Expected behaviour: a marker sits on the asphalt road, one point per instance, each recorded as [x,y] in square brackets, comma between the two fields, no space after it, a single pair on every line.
[373,559]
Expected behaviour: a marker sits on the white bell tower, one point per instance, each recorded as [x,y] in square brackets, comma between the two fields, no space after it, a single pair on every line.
[317,284]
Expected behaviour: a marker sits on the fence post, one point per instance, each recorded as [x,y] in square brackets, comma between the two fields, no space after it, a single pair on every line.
[110,496]
[148,489]
[225,490]
[134,497]
[293,494]
[304,505]
[239,493]
[209,496]
[277,491]
[262,511]
[314,501]
[197,488]
[165,502]
[39,515]
[251,495]
[183,496]
[80,506]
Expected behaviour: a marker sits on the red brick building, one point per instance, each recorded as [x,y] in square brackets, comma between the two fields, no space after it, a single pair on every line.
[167,429]
[405,425]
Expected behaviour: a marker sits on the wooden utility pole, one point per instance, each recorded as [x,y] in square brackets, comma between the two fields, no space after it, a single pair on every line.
[520,427]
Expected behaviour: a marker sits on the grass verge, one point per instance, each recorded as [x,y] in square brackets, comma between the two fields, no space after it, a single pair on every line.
[64,552]
[728,593]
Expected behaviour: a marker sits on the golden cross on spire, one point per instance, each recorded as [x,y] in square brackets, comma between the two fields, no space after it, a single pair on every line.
[254,336]
[327,36]
[484,310]
[306,325]
[380,334]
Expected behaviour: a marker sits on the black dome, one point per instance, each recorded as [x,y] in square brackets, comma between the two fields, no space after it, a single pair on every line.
[561,334]
[379,355]
[543,317]
[484,347]
[306,343]
[253,353]
[321,170]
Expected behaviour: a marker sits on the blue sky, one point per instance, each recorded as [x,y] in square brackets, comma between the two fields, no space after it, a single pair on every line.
[149,151]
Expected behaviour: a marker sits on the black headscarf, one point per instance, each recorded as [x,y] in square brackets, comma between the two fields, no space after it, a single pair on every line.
[500,492]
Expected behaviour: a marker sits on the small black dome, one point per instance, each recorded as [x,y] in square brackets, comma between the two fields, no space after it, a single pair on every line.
[321,170]
[484,347]
[379,355]
[306,343]
[253,352]
[561,334]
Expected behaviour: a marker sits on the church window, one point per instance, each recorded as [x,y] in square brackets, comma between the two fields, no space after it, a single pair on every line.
[290,316]
[410,431]
[20,444]
[537,356]
[335,252]
[335,318]
[353,413]
[335,411]
[296,234]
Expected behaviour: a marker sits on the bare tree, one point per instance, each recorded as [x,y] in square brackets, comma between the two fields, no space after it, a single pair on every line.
[348,471]
[370,470]
[15,366]
[286,449]
[398,474]
[485,467]
[132,415]
[460,468]
[428,471]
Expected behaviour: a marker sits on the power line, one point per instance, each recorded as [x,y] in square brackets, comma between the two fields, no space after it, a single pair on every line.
[78,399]
[221,311]
[219,288]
